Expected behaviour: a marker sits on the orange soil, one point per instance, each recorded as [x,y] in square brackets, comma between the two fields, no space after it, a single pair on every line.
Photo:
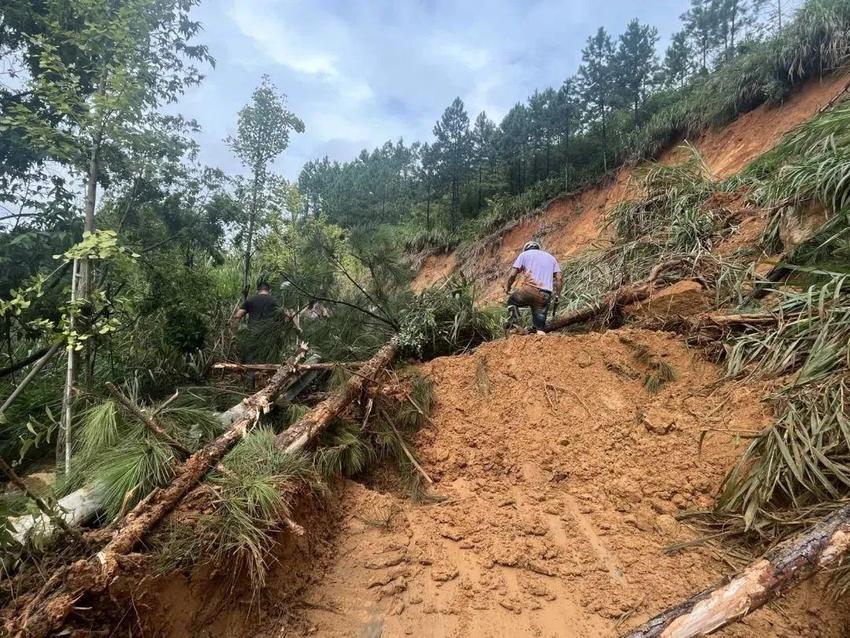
[571,225]
[562,476]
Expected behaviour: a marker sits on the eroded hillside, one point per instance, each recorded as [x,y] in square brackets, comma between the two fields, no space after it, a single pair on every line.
[570,225]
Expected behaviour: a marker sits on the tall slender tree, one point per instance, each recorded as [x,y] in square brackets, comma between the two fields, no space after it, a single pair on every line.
[513,146]
[128,59]
[262,134]
[701,26]
[483,140]
[678,63]
[597,81]
[453,145]
[636,64]
[566,116]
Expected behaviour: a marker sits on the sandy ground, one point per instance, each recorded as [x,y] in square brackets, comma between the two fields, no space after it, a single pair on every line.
[562,476]
[573,224]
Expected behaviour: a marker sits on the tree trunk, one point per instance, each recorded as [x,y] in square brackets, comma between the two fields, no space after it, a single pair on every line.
[624,295]
[47,356]
[428,208]
[48,610]
[620,297]
[479,188]
[304,432]
[604,140]
[789,563]
[63,439]
[80,506]
[249,239]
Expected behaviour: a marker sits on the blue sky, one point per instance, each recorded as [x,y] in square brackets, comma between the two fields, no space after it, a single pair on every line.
[359,73]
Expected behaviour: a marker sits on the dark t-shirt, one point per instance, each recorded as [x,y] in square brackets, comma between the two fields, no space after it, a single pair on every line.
[260,308]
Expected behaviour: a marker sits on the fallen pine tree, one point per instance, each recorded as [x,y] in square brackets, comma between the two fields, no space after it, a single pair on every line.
[822,546]
[49,608]
[630,293]
[51,605]
[83,504]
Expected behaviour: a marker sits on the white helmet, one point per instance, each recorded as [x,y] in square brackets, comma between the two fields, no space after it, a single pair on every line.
[531,245]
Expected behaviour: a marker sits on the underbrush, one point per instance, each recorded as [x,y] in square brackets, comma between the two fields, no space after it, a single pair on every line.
[253,495]
[446,320]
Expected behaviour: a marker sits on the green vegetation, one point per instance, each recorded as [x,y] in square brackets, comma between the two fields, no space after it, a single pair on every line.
[119,247]
[622,104]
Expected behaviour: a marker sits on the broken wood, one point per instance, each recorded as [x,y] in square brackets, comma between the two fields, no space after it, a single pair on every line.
[300,434]
[47,356]
[81,505]
[48,610]
[39,503]
[630,293]
[788,564]
[271,367]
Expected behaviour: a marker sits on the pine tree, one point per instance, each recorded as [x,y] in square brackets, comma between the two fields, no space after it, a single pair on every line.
[427,176]
[566,115]
[513,146]
[597,80]
[454,149]
[677,61]
[483,138]
[701,25]
[636,64]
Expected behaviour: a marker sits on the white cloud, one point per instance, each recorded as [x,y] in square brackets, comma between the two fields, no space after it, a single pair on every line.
[360,73]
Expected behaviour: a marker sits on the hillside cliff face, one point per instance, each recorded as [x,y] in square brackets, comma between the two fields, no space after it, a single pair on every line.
[570,225]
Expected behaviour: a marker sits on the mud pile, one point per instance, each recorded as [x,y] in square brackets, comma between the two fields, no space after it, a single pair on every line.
[561,477]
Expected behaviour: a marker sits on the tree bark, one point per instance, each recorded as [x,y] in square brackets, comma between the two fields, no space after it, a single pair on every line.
[81,505]
[620,297]
[304,432]
[246,272]
[789,563]
[47,611]
[272,367]
[63,439]
[624,295]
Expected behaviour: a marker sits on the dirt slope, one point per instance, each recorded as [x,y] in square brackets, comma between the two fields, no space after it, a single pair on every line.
[571,225]
[561,475]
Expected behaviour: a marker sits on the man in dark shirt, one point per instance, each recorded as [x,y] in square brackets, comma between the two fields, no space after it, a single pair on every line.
[261,307]
[263,319]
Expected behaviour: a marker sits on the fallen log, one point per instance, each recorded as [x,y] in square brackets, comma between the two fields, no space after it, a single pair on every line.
[630,293]
[788,564]
[271,367]
[304,431]
[47,611]
[620,297]
[80,506]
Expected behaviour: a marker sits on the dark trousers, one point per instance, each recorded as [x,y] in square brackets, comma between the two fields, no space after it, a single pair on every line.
[530,297]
